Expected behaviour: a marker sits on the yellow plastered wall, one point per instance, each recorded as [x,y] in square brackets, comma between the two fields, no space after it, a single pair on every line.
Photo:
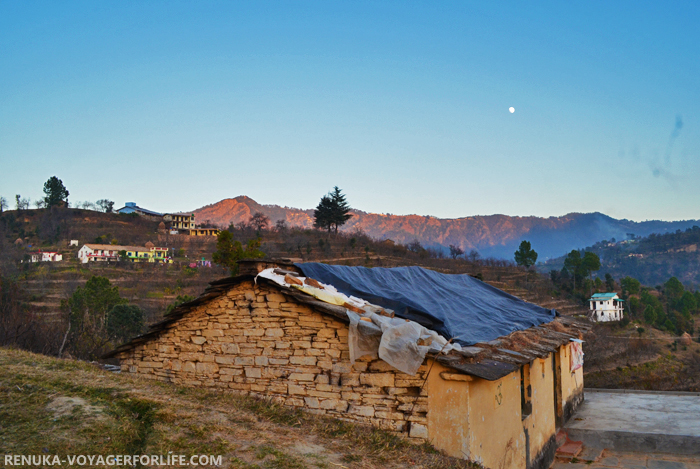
[541,423]
[496,431]
[571,383]
[448,416]
[493,426]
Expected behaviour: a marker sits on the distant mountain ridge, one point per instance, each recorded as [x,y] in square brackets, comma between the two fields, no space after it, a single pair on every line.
[491,235]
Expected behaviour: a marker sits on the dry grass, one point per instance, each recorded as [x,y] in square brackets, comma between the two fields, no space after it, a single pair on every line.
[65,407]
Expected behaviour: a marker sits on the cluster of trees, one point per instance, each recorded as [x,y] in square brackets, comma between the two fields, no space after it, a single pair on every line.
[576,276]
[98,319]
[229,251]
[669,306]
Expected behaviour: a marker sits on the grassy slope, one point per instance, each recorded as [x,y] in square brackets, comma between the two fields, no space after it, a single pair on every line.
[66,407]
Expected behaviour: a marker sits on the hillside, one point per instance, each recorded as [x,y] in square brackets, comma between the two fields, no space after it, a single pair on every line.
[65,407]
[492,236]
[618,357]
[151,287]
[154,287]
[652,260]
[38,289]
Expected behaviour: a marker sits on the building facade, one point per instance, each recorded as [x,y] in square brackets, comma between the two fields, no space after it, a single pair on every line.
[606,307]
[45,256]
[180,221]
[110,252]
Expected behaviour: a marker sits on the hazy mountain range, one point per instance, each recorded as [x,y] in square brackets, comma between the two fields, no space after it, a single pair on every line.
[491,235]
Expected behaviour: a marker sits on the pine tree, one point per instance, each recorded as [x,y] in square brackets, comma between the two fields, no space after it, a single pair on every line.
[56,192]
[332,211]
[525,255]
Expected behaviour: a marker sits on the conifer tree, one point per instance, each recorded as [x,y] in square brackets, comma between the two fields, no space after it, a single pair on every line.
[56,192]
[525,255]
[332,211]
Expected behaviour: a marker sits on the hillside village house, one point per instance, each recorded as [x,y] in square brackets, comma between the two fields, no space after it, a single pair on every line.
[180,221]
[110,252]
[184,223]
[131,207]
[45,256]
[306,336]
[606,307]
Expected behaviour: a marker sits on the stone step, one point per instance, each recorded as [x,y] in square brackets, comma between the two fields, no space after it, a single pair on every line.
[567,448]
[590,454]
[561,438]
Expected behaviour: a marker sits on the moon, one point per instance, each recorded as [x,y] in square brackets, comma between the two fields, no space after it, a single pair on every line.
[511,109]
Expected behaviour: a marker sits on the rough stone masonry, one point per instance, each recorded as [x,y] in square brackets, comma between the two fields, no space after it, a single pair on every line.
[258,341]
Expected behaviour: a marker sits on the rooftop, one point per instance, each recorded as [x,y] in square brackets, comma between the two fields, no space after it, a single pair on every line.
[133,206]
[603,296]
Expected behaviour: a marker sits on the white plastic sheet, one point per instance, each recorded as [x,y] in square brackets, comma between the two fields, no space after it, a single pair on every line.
[398,344]
[363,339]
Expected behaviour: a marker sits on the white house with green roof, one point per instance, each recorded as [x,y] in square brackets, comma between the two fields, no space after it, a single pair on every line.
[606,307]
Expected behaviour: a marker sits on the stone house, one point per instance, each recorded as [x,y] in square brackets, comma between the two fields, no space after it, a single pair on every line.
[498,402]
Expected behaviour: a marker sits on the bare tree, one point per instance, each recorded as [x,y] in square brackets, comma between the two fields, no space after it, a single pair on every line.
[280,226]
[455,251]
[3,204]
[259,221]
[474,256]
[21,203]
[105,205]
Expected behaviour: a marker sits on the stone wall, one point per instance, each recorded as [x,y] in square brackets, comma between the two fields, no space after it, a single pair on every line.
[260,342]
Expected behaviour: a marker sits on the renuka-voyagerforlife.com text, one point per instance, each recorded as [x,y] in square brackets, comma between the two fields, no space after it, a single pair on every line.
[112,460]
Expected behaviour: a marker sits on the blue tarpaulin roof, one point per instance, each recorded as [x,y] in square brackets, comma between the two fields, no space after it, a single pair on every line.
[456,306]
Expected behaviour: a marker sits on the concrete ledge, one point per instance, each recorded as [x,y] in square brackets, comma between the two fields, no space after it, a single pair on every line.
[637,442]
[637,391]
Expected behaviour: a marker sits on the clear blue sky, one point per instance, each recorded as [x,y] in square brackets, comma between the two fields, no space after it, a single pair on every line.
[404,105]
